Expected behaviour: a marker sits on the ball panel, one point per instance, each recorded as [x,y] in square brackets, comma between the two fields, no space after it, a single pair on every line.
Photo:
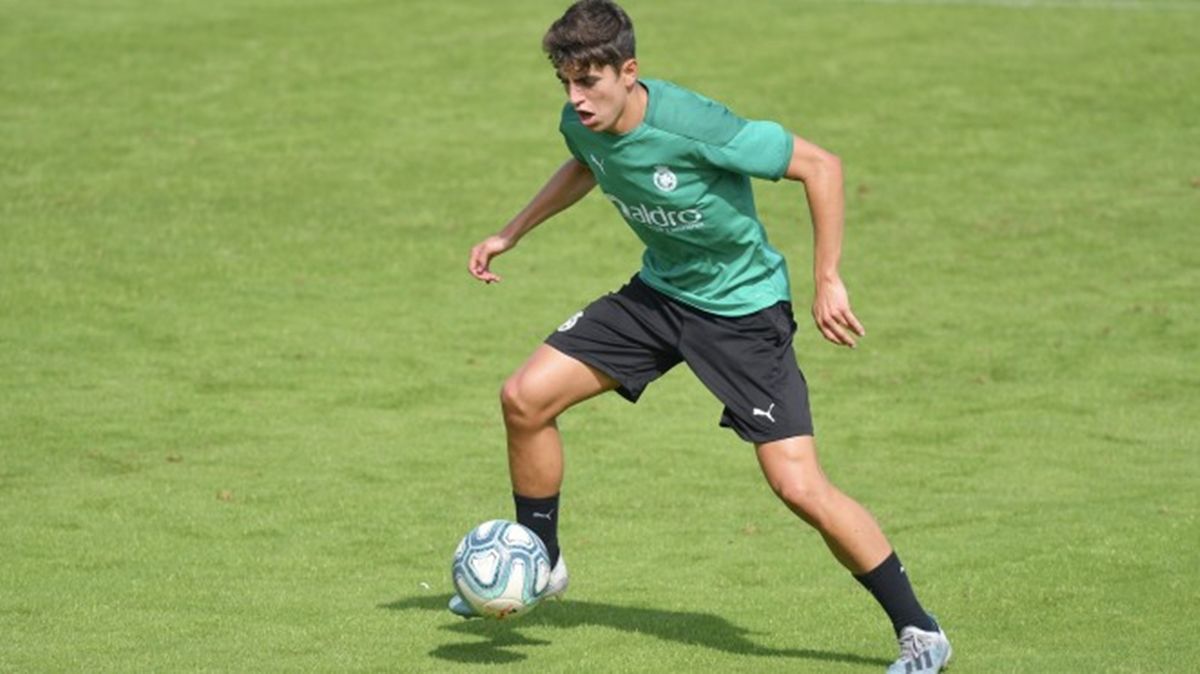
[518,536]
[485,566]
[505,608]
[485,532]
[543,575]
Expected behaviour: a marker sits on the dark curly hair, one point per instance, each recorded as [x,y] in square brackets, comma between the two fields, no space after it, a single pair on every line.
[590,33]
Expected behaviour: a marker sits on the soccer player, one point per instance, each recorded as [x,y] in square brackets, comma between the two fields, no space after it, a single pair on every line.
[711,292]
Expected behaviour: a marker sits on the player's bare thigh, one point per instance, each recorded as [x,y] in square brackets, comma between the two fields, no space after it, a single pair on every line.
[549,382]
[790,463]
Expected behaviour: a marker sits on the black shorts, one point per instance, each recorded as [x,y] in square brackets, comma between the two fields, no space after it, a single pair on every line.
[637,334]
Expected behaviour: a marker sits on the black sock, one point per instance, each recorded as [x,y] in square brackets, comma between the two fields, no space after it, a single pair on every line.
[540,515]
[888,583]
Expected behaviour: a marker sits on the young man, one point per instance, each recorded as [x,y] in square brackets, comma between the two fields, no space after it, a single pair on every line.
[711,292]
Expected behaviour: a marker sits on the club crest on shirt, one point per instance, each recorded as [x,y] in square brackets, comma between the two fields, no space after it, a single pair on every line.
[664,178]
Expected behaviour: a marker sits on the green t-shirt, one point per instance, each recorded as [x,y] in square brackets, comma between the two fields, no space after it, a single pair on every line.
[681,179]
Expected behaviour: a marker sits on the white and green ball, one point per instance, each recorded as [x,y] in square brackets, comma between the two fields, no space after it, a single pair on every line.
[501,568]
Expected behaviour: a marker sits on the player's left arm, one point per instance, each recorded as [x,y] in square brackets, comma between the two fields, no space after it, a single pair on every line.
[821,173]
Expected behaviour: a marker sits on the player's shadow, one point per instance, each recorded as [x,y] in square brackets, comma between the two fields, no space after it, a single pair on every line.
[693,629]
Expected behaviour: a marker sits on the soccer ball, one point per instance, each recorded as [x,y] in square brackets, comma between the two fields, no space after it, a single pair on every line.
[501,568]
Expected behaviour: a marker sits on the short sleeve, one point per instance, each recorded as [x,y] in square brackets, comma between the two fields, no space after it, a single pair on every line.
[574,150]
[760,149]
[568,114]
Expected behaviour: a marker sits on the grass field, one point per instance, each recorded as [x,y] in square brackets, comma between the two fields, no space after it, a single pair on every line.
[248,391]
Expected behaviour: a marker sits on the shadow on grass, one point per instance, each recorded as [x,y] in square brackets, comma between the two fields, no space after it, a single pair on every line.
[693,629]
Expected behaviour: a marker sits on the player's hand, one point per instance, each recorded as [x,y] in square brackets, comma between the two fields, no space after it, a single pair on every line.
[831,311]
[482,254]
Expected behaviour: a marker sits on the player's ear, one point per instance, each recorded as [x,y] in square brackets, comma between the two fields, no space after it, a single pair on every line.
[628,72]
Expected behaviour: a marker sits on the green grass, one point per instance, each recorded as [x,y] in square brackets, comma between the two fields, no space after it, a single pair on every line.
[248,392]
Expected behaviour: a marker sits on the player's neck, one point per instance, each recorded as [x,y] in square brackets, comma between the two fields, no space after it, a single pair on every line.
[634,112]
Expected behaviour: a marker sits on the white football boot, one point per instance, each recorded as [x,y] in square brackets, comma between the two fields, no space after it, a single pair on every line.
[557,586]
[921,652]
[461,608]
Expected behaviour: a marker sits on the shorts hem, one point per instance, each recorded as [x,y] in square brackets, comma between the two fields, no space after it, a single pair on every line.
[774,436]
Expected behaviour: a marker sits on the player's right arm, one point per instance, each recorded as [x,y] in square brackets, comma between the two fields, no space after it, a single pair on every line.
[568,185]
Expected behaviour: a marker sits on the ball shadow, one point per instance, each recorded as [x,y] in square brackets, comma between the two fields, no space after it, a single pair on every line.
[683,627]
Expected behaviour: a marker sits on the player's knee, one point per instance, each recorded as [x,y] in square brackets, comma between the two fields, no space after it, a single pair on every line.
[512,400]
[806,498]
[519,404]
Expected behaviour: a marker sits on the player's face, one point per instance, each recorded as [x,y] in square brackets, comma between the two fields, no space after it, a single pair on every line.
[599,94]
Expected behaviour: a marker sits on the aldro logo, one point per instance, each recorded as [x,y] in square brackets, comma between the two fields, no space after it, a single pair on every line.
[658,217]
